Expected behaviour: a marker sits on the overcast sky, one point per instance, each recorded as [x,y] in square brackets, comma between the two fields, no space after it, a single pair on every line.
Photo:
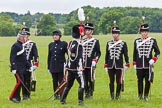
[66,6]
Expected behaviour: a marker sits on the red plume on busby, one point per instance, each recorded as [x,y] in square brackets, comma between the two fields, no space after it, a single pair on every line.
[115,28]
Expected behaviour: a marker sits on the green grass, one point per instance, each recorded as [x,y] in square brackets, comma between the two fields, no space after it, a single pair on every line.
[39,99]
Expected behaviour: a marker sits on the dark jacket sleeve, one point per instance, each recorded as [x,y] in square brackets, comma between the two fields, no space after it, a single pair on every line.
[35,52]
[49,57]
[134,52]
[106,55]
[125,48]
[156,49]
[80,57]
[65,47]
[98,51]
[13,55]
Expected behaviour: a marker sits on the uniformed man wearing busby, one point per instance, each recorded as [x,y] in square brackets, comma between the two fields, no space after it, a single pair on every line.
[75,65]
[115,50]
[19,65]
[32,57]
[91,55]
[56,59]
[143,59]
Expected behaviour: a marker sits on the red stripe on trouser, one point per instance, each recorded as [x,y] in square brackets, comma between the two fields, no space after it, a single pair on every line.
[16,86]
[120,80]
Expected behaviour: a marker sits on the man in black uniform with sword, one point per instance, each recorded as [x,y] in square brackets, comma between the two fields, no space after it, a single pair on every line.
[19,65]
[75,65]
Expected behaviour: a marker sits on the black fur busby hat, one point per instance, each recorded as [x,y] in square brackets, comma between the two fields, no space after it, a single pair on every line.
[57,32]
[89,26]
[144,27]
[27,30]
[76,33]
[115,30]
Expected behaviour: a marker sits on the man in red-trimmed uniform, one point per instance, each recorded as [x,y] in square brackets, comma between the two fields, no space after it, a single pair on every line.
[32,57]
[142,59]
[91,55]
[115,50]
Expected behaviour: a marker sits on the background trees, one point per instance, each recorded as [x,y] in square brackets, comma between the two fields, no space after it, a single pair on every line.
[7,27]
[46,25]
[128,19]
[27,19]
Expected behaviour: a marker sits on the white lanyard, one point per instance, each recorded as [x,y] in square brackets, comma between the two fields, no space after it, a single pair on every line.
[115,44]
[143,42]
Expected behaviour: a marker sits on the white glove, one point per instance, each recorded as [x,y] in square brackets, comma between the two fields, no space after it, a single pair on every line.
[14,72]
[106,70]
[93,63]
[49,71]
[80,73]
[151,62]
[125,68]
[31,69]
[134,66]
[34,68]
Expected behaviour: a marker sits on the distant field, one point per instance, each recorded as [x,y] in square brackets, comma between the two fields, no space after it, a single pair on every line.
[39,99]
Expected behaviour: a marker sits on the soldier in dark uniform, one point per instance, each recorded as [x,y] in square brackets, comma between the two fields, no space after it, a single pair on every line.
[32,57]
[91,55]
[56,59]
[19,64]
[115,49]
[142,59]
[75,65]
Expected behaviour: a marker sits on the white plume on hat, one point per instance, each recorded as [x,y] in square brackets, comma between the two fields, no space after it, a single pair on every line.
[81,14]
[143,17]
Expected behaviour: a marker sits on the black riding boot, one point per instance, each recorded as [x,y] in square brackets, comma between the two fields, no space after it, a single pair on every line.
[118,89]
[140,90]
[56,97]
[91,88]
[80,96]
[64,95]
[147,89]
[111,86]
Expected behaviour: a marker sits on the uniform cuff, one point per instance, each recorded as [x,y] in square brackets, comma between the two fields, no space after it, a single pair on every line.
[134,63]
[95,60]
[105,65]
[128,65]
[36,64]
[154,58]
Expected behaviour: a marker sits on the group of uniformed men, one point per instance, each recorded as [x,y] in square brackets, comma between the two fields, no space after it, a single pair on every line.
[83,55]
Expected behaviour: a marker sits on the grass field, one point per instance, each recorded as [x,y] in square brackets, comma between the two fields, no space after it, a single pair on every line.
[39,99]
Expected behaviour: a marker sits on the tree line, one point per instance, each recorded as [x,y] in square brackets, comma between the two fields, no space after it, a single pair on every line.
[127,18]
